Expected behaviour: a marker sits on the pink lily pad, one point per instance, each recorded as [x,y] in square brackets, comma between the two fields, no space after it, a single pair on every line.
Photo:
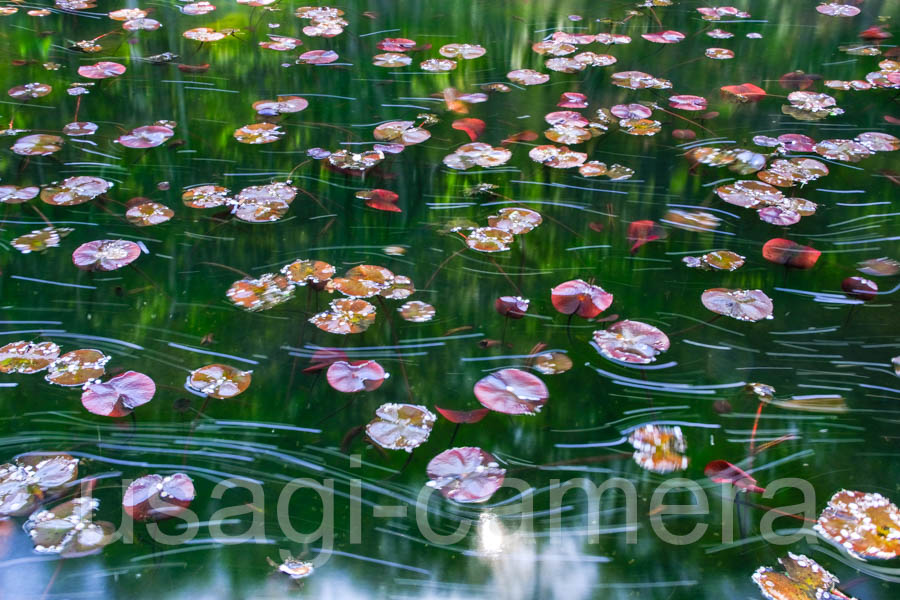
[105,255]
[356,376]
[631,341]
[120,395]
[465,475]
[512,392]
[156,497]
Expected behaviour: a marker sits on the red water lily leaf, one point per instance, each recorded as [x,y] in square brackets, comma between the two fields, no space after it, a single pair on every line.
[791,254]
[120,395]
[380,199]
[722,471]
[581,298]
[860,287]
[512,392]
[473,127]
[356,376]
[155,497]
[463,416]
[194,68]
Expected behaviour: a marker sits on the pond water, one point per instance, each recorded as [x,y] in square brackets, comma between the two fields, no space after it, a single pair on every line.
[665,414]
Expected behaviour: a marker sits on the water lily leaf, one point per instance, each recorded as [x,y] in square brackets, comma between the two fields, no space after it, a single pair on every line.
[512,392]
[11,194]
[148,213]
[465,475]
[263,293]
[37,145]
[101,70]
[379,199]
[302,272]
[157,497]
[219,381]
[866,525]
[356,376]
[803,579]
[148,136]
[29,479]
[581,298]
[743,305]
[744,92]
[68,529]
[27,357]
[515,220]
[105,255]
[659,448]
[77,368]
[511,307]
[631,341]
[416,311]
[551,363]
[401,426]
[345,316]
[118,396]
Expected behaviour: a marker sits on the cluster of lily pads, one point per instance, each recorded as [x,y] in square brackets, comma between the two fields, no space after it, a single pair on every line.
[501,229]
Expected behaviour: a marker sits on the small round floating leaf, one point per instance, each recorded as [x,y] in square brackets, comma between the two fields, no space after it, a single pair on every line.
[743,305]
[860,287]
[318,57]
[119,396]
[879,267]
[836,9]
[302,272]
[512,391]
[101,70]
[30,90]
[551,363]
[219,381]
[866,525]
[284,104]
[527,77]
[401,426]
[803,579]
[345,316]
[206,196]
[581,298]
[27,357]
[75,190]
[69,530]
[77,367]
[29,479]
[11,194]
[489,239]
[105,255]
[263,293]
[148,213]
[203,34]
[41,144]
[515,220]
[356,376]
[416,311]
[78,128]
[631,341]
[258,133]
[148,136]
[659,448]
[157,497]
[465,475]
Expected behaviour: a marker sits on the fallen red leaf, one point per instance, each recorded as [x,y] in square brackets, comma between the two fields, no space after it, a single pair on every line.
[641,232]
[473,127]
[522,136]
[745,92]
